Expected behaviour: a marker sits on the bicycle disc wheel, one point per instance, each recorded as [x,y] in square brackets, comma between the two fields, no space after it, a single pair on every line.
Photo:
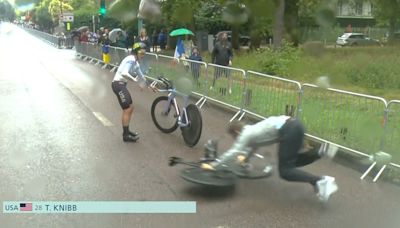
[192,132]
[166,122]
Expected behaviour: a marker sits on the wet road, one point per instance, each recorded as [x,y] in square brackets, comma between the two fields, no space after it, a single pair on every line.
[54,148]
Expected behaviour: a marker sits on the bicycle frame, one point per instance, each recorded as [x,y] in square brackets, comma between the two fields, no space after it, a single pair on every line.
[183,120]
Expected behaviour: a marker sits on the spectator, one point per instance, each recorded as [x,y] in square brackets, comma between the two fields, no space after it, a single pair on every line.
[195,66]
[120,40]
[162,39]
[188,45]
[222,54]
[154,38]
[84,37]
[143,38]
[106,49]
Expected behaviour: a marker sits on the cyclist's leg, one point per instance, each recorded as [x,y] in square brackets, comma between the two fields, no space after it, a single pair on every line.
[125,101]
[307,157]
[292,135]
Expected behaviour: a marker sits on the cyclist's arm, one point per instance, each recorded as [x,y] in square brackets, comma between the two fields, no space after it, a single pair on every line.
[242,145]
[133,66]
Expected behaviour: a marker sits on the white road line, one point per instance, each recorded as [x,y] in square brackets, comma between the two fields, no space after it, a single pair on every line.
[103,119]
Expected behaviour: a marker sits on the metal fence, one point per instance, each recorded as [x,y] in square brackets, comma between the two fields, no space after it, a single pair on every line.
[392,131]
[345,118]
[357,122]
[227,85]
[268,95]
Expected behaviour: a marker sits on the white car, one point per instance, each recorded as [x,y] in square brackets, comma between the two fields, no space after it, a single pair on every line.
[355,39]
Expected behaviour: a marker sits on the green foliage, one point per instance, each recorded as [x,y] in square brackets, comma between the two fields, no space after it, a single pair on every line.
[7,10]
[208,17]
[260,23]
[83,17]
[124,10]
[55,7]
[42,16]
[86,4]
[278,62]
[387,13]
[368,70]
[374,75]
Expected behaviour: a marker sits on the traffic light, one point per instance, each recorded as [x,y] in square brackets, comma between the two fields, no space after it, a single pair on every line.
[102,10]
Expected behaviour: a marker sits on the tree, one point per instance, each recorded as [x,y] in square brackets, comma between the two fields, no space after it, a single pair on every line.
[208,17]
[56,6]
[279,24]
[291,19]
[180,13]
[307,10]
[260,23]
[387,12]
[7,10]
[42,17]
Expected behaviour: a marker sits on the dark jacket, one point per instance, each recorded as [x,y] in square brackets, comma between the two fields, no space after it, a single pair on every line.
[222,53]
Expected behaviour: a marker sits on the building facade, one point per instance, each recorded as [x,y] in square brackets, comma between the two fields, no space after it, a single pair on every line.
[357,13]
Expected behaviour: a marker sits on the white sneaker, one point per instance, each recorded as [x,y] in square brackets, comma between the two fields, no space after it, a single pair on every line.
[328,150]
[326,187]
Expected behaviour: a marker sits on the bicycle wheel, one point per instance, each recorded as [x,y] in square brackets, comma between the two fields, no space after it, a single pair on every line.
[165,122]
[192,132]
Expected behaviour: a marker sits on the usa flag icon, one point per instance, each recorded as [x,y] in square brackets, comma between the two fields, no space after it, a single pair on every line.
[25,206]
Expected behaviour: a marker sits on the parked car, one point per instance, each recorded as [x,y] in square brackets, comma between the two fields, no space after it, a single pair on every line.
[243,40]
[355,39]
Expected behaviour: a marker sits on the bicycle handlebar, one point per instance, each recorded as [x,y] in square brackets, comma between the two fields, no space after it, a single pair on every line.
[166,82]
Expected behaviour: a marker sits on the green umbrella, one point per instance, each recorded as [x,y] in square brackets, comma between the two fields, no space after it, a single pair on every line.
[181,31]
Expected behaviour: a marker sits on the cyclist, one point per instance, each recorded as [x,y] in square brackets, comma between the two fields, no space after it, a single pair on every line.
[129,69]
[288,132]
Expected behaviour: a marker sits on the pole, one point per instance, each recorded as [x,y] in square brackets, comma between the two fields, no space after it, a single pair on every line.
[61,13]
[140,25]
[94,23]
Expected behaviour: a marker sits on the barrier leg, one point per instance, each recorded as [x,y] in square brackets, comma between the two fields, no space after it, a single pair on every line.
[204,101]
[368,170]
[379,173]
[234,117]
[241,117]
[199,101]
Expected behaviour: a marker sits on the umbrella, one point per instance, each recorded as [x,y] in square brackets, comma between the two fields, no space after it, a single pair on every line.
[83,29]
[114,33]
[181,31]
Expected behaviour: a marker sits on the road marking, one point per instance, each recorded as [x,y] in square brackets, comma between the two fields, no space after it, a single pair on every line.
[103,119]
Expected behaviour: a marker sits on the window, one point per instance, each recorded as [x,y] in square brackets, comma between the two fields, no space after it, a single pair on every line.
[371,9]
[340,7]
[359,8]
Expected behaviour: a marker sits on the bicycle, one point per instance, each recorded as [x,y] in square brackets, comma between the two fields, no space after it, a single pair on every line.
[167,115]
[253,166]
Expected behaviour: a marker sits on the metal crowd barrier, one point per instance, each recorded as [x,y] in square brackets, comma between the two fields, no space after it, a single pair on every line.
[227,85]
[391,139]
[198,74]
[349,119]
[57,41]
[359,123]
[268,95]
